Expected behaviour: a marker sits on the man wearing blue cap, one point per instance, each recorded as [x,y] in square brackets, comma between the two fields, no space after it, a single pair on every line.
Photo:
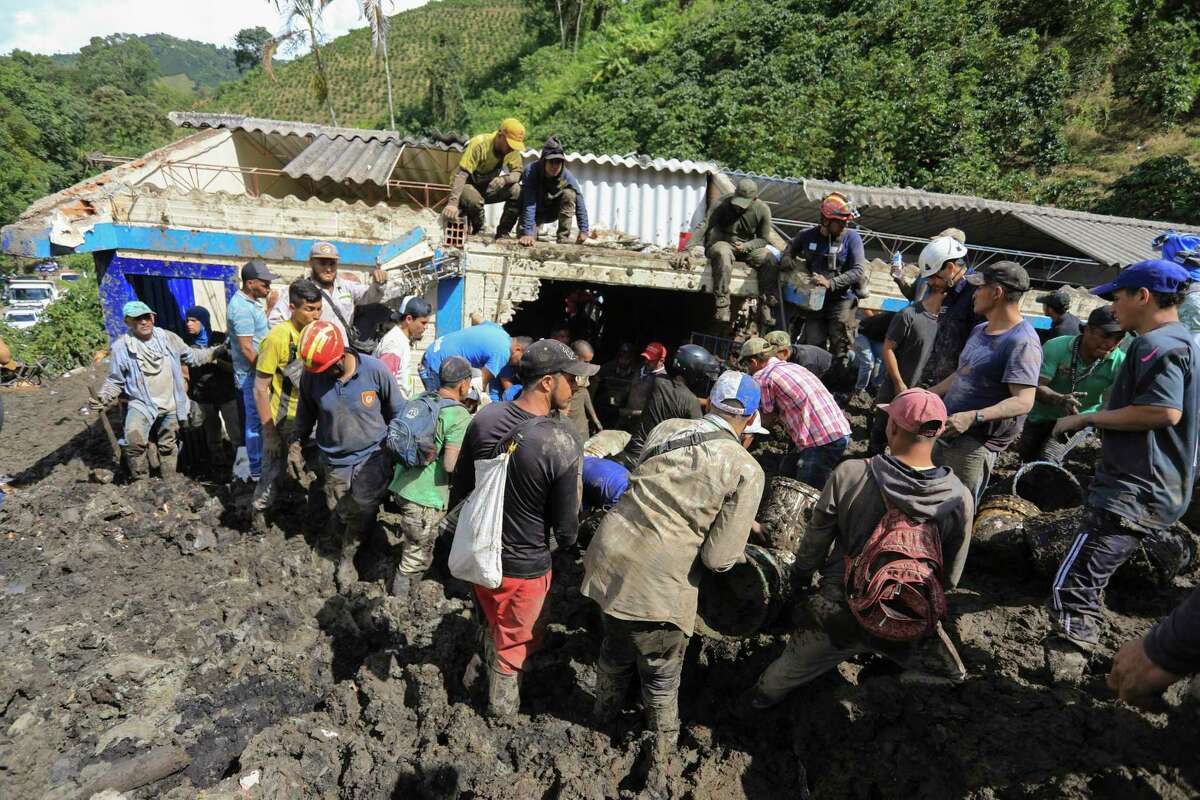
[1144,480]
[145,368]
[690,505]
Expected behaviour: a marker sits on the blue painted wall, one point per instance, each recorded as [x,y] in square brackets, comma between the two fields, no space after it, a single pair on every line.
[116,290]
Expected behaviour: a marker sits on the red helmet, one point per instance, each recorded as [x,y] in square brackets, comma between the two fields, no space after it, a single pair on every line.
[321,346]
[837,206]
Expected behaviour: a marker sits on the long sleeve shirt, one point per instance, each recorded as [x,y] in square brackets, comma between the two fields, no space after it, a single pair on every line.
[748,227]
[125,376]
[538,188]
[346,295]
[350,416]
[1174,643]
[810,252]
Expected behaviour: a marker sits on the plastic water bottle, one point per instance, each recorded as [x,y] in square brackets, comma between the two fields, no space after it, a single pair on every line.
[897,263]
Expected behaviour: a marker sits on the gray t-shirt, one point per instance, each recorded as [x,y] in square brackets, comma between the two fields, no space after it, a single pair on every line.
[988,364]
[913,330]
[1146,476]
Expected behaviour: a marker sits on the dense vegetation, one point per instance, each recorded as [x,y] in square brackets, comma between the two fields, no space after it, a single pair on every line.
[69,334]
[204,65]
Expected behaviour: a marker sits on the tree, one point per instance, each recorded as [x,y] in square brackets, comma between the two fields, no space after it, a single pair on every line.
[303,23]
[248,47]
[117,60]
[373,11]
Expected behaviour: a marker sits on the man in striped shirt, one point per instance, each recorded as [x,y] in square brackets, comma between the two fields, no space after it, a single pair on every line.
[795,398]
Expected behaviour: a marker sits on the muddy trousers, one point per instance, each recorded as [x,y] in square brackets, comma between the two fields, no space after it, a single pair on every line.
[513,613]
[275,471]
[810,653]
[214,416]
[814,465]
[969,459]
[721,256]
[472,201]
[412,533]
[561,208]
[1105,542]
[656,650]
[141,432]
[353,493]
[833,328]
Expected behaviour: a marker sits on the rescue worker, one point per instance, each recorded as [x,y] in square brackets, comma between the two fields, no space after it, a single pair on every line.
[1144,481]
[610,388]
[831,255]
[1145,667]
[674,394]
[349,399]
[814,359]
[145,369]
[858,495]
[654,359]
[246,317]
[739,229]
[487,347]
[582,414]
[549,192]
[339,296]
[489,172]
[644,565]
[943,260]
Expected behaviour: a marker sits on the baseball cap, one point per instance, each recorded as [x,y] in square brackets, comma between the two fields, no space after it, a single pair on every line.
[735,393]
[473,394]
[454,370]
[136,308]
[324,250]
[655,351]
[755,425]
[1008,274]
[256,269]
[779,340]
[1104,319]
[548,356]
[918,411]
[756,346]
[1059,301]
[553,150]
[1157,275]
[514,133]
[745,193]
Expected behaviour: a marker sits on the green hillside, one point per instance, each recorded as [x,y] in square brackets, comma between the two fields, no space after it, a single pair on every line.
[450,45]
[204,65]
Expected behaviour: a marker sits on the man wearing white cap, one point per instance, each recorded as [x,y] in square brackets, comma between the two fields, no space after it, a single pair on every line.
[690,506]
[339,297]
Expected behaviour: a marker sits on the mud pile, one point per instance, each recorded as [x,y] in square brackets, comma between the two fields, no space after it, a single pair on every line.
[149,646]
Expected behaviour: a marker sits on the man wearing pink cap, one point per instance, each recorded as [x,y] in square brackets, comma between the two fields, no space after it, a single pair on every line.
[855,499]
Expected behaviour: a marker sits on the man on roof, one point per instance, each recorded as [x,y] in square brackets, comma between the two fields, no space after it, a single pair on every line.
[549,192]
[339,297]
[489,172]
[739,229]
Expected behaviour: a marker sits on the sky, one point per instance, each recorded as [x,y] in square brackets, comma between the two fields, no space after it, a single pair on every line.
[66,25]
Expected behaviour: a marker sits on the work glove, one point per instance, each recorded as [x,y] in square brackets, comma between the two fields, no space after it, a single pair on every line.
[295,461]
[496,184]
[272,443]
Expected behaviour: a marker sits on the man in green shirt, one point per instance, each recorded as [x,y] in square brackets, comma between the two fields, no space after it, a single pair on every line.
[1077,372]
[739,228]
[422,493]
[488,172]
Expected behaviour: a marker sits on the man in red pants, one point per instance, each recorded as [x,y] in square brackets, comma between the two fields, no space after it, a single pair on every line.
[542,493]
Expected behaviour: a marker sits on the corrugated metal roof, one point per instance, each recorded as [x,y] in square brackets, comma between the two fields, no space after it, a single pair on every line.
[636,161]
[195,119]
[342,159]
[1112,241]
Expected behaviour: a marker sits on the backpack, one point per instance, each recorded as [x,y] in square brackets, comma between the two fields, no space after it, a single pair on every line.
[410,436]
[894,586]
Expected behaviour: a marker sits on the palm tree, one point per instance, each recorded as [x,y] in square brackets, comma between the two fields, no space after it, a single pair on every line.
[303,22]
[373,11]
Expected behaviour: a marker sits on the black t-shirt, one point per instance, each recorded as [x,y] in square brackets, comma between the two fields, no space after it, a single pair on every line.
[815,359]
[913,330]
[875,327]
[670,398]
[1146,476]
[1067,325]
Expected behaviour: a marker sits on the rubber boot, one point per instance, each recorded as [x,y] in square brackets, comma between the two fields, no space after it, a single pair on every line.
[347,574]
[168,467]
[662,723]
[610,692]
[139,464]
[504,694]
[766,313]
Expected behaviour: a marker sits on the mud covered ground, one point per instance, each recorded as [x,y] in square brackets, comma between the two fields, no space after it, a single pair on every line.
[148,645]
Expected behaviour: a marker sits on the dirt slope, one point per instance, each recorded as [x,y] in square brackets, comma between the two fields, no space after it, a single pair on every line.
[147,645]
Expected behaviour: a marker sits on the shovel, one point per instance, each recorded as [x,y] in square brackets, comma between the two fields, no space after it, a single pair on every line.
[112,437]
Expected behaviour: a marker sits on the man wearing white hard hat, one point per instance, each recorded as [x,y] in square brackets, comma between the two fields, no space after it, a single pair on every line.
[943,262]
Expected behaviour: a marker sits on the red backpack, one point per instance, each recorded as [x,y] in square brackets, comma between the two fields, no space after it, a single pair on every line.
[894,586]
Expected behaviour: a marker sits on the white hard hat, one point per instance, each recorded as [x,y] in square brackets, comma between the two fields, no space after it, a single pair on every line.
[938,252]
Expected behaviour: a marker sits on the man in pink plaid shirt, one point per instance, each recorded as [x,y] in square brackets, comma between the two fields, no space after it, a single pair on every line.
[794,396]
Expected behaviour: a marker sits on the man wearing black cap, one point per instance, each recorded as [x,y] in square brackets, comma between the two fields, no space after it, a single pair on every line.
[548,192]
[1077,374]
[1056,306]
[739,229]
[993,388]
[542,494]
[1144,481]
[246,316]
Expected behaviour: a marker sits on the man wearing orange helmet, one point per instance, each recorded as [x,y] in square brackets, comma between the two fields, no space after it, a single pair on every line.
[488,172]
[738,230]
[350,399]
[832,255]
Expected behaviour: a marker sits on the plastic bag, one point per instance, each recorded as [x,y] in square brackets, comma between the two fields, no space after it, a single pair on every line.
[478,537]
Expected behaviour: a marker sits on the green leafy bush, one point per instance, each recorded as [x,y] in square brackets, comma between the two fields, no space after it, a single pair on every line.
[1167,187]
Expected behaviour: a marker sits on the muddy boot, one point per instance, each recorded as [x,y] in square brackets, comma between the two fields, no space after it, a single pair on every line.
[610,692]
[1065,661]
[508,219]
[138,463]
[504,694]
[347,574]
[722,311]
[168,467]
[662,724]
[766,313]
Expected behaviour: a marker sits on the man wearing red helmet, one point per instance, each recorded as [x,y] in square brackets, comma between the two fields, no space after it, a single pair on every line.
[832,255]
[350,399]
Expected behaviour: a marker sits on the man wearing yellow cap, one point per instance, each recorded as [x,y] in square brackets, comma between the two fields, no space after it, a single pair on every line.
[488,172]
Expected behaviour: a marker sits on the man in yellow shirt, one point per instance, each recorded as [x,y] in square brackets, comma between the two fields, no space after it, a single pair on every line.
[488,172]
[276,392]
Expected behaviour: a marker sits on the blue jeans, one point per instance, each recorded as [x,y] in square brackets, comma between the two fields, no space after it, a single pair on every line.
[253,427]
[813,465]
[869,357]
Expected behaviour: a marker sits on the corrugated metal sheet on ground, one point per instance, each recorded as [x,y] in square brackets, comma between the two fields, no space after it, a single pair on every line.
[342,159]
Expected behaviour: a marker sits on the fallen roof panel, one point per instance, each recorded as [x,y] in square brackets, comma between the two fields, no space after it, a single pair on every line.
[341,159]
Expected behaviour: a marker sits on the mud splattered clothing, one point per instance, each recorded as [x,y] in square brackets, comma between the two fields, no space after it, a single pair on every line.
[670,398]
[350,416]
[513,612]
[740,234]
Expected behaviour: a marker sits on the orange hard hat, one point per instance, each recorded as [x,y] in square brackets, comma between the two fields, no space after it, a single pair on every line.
[837,206]
[321,346]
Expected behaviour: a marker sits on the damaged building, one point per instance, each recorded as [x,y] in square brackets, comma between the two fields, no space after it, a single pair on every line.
[173,227]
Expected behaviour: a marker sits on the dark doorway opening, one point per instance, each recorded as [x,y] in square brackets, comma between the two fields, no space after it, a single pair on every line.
[608,315]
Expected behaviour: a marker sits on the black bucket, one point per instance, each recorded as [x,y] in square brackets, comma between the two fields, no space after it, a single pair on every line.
[785,512]
[748,598]
[999,533]
[1048,486]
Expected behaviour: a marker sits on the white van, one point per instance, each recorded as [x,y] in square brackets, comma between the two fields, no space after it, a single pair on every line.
[30,292]
[22,316]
